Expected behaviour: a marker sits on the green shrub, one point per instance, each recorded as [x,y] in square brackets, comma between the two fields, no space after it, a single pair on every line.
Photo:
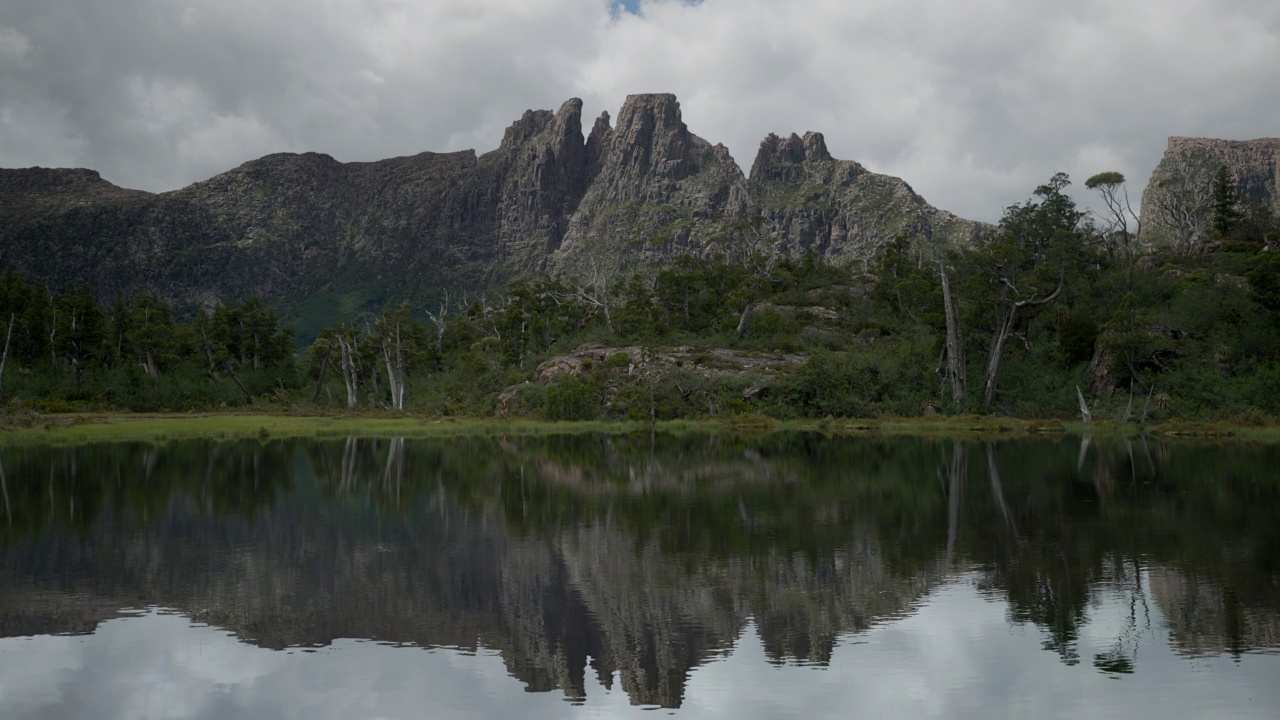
[572,398]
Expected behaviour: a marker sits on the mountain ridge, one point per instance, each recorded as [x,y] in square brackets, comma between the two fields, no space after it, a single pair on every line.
[299,228]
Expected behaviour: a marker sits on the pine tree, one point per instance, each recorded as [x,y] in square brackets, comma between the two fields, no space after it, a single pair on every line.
[1225,203]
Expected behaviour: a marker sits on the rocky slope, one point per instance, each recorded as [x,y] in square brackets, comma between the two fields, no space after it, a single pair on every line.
[316,236]
[1174,203]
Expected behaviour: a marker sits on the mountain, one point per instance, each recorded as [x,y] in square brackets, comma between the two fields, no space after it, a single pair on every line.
[1175,203]
[322,238]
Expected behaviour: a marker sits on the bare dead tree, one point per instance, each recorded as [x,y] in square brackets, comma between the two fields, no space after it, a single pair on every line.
[1182,204]
[441,318]
[593,289]
[53,332]
[956,373]
[324,369]
[1085,415]
[4,359]
[390,341]
[350,357]
[1006,315]
[1117,215]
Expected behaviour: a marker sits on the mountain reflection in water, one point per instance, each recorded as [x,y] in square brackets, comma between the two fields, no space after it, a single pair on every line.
[618,562]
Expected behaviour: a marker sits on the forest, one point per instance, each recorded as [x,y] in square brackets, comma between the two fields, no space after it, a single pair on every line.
[1054,313]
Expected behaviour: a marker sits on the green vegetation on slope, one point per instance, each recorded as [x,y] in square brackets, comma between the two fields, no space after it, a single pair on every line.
[1052,308]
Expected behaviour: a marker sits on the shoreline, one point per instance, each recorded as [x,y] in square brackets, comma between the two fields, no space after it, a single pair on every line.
[75,428]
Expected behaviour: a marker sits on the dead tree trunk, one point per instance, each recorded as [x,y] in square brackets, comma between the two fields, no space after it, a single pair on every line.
[1085,415]
[442,318]
[324,369]
[148,364]
[248,398]
[594,290]
[956,366]
[350,378]
[393,356]
[1006,315]
[742,320]
[5,357]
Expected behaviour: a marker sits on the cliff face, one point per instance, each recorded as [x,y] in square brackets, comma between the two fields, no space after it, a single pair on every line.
[658,190]
[1174,203]
[306,229]
[838,209]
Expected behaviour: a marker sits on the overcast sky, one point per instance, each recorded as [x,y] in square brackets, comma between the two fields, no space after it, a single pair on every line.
[974,103]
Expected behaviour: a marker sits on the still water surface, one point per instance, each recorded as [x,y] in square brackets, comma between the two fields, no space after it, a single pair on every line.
[785,575]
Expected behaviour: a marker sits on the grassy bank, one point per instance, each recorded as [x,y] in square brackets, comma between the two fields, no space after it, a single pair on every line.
[73,428]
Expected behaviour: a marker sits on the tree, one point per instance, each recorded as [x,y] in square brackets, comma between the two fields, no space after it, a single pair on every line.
[242,340]
[1264,282]
[348,340]
[1026,261]
[151,335]
[745,243]
[81,327]
[905,281]
[1116,217]
[8,335]
[1225,203]
[1181,203]
[400,340]
[956,372]
[595,289]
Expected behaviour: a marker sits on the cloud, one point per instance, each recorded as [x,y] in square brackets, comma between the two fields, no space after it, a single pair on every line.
[972,103]
[958,656]
[14,46]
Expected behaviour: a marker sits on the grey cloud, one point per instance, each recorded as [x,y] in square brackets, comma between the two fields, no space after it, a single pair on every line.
[973,103]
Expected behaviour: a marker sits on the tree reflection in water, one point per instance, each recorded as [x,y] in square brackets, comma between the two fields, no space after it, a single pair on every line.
[647,555]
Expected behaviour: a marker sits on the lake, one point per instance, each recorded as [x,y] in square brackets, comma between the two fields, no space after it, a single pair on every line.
[700,575]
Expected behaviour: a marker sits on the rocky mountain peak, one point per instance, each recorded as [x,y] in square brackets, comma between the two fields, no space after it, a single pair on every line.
[651,139]
[37,188]
[530,124]
[783,159]
[598,142]
[39,177]
[815,147]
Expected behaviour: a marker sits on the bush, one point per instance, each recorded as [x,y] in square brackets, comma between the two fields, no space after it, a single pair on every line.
[572,398]
[618,360]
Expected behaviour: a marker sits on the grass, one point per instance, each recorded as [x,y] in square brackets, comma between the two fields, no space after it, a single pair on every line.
[77,428]
[74,428]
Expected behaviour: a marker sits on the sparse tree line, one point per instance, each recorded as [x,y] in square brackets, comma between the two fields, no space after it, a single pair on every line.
[63,347]
[1056,312]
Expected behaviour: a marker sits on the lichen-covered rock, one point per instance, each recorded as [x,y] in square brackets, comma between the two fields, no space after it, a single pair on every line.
[558,366]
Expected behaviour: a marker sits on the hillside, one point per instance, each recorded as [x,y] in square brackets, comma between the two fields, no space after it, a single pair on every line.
[320,239]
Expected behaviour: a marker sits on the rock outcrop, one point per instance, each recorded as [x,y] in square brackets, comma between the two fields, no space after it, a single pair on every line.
[311,234]
[836,208]
[659,190]
[1175,201]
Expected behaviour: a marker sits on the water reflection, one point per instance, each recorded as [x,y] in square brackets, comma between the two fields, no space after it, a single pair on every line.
[621,563]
